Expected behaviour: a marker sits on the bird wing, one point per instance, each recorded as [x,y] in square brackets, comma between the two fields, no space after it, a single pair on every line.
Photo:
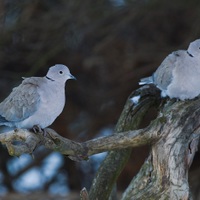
[22,102]
[164,74]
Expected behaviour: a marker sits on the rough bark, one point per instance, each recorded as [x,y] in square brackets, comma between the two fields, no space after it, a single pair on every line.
[115,161]
[173,136]
[164,175]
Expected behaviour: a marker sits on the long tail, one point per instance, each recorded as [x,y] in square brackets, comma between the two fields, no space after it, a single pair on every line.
[146,80]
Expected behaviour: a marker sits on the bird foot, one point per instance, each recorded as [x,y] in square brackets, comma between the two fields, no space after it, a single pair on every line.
[37,129]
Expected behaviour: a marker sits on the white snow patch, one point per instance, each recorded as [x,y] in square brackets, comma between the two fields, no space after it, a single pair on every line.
[135,99]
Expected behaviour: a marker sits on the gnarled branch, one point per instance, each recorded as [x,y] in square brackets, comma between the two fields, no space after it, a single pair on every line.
[173,135]
[22,141]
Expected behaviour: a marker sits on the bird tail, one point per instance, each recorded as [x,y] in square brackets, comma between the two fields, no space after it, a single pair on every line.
[5,122]
[2,120]
[146,80]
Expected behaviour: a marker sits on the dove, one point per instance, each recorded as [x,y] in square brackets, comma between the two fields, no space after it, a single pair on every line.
[178,76]
[37,101]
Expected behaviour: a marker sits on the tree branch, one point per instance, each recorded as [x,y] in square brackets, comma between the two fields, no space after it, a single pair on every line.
[22,141]
[132,114]
[164,174]
[121,141]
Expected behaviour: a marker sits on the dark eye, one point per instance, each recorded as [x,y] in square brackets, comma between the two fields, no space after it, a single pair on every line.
[199,47]
[60,72]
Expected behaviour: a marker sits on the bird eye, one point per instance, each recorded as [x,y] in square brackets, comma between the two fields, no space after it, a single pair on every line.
[60,72]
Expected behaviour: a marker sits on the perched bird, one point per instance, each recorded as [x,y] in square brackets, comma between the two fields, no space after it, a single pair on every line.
[37,101]
[178,76]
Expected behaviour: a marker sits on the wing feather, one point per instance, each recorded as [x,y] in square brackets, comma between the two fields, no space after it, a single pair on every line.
[22,102]
[164,74]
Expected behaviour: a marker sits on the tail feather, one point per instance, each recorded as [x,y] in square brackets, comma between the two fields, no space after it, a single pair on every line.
[3,119]
[5,122]
[146,80]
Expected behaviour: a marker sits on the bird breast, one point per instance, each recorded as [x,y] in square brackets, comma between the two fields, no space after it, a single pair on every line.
[52,99]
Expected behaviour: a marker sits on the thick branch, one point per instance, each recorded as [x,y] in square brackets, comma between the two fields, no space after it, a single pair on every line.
[165,173]
[121,140]
[115,161]
[21,141]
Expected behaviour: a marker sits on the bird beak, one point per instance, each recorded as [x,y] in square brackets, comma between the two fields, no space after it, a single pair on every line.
[72,77]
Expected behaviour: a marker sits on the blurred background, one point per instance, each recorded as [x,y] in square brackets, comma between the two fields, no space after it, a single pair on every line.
[108,45]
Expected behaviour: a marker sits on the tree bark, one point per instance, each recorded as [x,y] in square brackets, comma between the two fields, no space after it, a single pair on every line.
[164,174]
[115,161]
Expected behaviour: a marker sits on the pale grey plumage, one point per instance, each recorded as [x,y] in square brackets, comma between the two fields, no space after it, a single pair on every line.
[37,100]
[178,76]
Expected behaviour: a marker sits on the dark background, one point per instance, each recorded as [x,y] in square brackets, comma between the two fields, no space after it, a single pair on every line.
[108,45]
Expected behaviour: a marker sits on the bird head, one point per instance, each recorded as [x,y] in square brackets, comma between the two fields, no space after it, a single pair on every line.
[59,73]
[194,48]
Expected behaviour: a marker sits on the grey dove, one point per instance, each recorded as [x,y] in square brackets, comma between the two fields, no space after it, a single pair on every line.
[178,76]
[37,101]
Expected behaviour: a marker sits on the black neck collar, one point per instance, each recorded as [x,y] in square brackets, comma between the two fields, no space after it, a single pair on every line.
[49,78]
[190,54]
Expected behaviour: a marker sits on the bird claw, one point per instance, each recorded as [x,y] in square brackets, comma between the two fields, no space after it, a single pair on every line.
[38,129]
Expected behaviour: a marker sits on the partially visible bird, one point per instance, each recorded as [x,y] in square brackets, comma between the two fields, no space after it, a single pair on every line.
[37,101]
[178,76]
